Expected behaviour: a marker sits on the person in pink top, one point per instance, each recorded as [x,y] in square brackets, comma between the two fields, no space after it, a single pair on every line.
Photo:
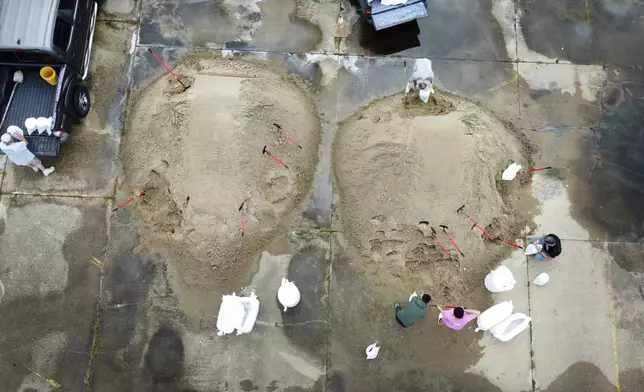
[456,318]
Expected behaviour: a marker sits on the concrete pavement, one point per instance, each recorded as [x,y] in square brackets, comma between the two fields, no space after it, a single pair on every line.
[560,72]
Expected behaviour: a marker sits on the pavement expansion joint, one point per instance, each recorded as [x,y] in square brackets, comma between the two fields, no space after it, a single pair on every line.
[38,194]
[199,48]
[532,368]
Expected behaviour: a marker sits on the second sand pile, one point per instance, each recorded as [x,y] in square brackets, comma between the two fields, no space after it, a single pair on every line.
[399,163]
[198,155]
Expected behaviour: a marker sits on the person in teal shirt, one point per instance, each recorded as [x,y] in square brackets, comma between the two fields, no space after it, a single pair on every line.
[415,310]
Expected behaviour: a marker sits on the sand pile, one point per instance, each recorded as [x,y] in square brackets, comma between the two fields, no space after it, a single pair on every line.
[198,155]
[399,162]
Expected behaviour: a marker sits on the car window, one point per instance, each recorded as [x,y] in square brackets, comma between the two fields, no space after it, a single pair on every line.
[67,7]
[64,21]
[62,33]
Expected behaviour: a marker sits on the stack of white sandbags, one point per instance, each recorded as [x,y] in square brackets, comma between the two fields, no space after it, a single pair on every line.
[501,323]
[237,313]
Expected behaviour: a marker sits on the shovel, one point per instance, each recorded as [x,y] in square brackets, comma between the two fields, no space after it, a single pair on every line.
[18,78]
[513,170]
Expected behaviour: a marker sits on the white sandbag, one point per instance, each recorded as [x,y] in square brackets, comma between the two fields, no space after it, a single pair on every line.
[251,309]
[499,280]
[372,350]
[44,124]
[507,329]
[424,95]
[30,125]
[541,279]
[531,249]
[231,314]
[494,315]
[288,294]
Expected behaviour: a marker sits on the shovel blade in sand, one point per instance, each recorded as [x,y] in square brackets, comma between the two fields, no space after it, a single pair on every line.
[511,172]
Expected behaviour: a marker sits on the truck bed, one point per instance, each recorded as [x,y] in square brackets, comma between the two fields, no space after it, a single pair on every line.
[34,97]
[385,16]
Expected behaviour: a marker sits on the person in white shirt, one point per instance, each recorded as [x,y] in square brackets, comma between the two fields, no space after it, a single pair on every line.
[20,155]
[422,79]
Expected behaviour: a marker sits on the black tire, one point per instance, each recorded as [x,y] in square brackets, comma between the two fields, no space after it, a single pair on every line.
[80,101]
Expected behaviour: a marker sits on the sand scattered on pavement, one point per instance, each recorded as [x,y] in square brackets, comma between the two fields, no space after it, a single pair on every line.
[399,162]
[198,155]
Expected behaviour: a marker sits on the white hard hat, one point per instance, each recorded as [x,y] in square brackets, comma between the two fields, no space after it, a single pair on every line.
[6,138]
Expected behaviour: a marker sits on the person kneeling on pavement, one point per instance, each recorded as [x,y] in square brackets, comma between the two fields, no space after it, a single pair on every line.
[549,247]
[20,155]
[415,310]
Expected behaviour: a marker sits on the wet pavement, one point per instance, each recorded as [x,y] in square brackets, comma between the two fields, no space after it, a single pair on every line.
[89,307]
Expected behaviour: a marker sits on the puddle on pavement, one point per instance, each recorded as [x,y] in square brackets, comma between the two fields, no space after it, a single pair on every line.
[611,169]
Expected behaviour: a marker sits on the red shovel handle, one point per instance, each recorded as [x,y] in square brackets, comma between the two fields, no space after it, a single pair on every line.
[277,159]
[290,139]
[128,201]
[512,244]
[488,235]
[445,306]
[166,67]
[163,63]
[442,247]
[535,170]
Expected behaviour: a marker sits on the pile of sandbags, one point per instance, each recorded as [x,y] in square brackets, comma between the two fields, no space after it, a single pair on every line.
[501,323]
[237,313]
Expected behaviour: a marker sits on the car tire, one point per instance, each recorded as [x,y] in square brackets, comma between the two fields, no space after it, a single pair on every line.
[80,101]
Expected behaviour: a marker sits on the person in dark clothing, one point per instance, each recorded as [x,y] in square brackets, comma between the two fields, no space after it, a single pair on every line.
[550,247]
[415,310]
